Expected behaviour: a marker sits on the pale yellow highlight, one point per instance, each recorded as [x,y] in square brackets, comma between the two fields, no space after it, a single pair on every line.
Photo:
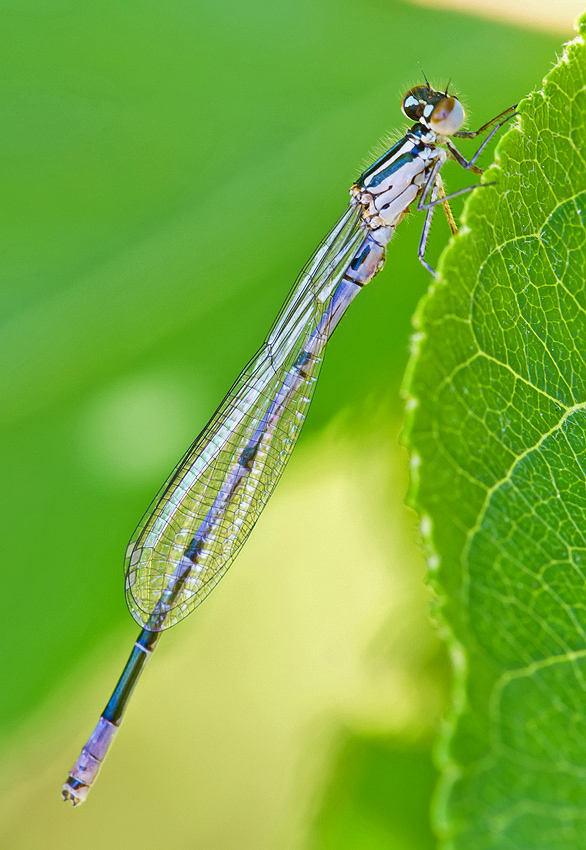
[548,15]
[321,625]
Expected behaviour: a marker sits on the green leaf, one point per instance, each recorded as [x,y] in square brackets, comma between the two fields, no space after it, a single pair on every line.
[497,389]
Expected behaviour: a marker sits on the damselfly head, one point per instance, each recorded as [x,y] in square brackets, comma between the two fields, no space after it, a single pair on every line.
[440,112]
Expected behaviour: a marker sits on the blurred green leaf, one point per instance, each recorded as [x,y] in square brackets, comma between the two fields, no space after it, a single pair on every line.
[378,798]
[498,436]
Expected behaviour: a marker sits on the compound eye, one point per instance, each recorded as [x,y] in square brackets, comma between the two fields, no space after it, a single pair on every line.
[413,103]
[447,117]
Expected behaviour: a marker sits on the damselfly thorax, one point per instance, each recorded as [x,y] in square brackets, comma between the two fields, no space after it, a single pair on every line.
[387,188]
[410,170]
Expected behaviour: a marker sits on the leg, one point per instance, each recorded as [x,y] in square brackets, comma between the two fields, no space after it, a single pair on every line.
[424,237]
[454,153]
[449,197]
[471,134]
[444,199]
[435,188]
[429,189]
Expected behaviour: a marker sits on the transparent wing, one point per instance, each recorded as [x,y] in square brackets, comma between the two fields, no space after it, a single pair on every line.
[208,506]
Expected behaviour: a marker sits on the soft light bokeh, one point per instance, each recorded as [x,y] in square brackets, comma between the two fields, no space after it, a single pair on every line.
[548,15]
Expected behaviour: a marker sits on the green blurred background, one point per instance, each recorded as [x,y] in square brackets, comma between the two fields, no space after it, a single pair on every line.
[166,169]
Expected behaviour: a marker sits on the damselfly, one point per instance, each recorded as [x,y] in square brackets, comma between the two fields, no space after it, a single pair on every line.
[206,509]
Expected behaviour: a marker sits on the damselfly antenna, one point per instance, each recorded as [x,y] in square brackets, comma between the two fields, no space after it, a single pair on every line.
[424,77]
